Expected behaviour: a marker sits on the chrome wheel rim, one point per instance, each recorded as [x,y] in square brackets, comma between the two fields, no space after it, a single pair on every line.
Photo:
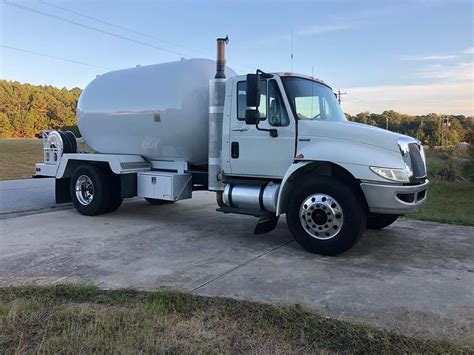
[84,190]
[321,216]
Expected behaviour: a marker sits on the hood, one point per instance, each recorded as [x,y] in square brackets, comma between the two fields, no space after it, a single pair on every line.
[351,131]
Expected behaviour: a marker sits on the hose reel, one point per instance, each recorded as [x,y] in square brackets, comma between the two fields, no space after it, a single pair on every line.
[57,143]
[64,142]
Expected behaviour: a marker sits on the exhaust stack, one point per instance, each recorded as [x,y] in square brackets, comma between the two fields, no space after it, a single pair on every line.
[216,116]
[220,62]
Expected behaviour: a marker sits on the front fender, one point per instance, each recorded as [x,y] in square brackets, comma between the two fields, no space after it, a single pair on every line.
[283,194]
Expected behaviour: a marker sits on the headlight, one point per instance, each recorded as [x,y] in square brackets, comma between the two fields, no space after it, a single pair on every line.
[399,175]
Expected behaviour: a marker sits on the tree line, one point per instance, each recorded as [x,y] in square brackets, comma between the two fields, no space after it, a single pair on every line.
[431,129]
[26,110]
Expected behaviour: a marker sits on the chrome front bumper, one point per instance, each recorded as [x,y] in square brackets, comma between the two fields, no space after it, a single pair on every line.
[393,199]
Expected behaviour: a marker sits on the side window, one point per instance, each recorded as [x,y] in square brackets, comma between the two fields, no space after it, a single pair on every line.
[242,100]
[277,115]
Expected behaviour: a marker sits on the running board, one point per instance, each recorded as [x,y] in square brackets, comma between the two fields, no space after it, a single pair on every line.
[267,221]
[255,213]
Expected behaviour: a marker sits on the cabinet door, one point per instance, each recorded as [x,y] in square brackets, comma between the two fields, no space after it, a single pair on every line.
[155,186]
[163,188]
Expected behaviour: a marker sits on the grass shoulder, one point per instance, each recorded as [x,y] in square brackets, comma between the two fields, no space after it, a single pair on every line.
[448,202]
[18,157]
[450,197]
[82,319]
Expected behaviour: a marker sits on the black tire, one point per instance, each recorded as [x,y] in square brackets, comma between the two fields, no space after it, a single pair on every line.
[157,202]
[115,193]
[100,201]
[353,216]
[380,221]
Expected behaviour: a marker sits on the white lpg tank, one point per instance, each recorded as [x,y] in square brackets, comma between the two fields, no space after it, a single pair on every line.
[157,111]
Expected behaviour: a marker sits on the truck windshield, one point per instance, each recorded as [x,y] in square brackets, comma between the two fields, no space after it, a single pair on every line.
[311,100]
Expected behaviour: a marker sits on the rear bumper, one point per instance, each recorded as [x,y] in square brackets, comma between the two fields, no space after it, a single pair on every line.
[393,199]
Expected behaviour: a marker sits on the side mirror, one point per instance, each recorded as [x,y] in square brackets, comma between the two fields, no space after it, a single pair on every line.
[253,91]
[252,116]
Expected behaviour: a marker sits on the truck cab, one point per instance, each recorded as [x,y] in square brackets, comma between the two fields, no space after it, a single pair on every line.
[293,133]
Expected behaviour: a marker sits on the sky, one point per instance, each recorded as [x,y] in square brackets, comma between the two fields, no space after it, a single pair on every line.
[415,57]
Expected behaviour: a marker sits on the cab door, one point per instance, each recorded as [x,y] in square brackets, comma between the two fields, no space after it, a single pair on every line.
[255,152]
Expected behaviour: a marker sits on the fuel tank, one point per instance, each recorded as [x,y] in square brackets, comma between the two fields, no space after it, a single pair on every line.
[158,111]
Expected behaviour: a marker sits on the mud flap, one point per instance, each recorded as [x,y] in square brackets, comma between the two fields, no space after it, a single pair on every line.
[61,187]
[266,224]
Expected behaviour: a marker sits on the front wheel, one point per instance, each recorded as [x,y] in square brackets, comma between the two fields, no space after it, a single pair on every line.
[380,221]
[325,216]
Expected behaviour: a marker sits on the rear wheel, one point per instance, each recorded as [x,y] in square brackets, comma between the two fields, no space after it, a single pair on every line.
[155,201]
[90,192]
[380,221]
[325,216]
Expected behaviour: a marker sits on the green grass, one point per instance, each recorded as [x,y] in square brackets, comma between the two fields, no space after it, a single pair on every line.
[82,319]
[18,157]
[448,202]
[452,164]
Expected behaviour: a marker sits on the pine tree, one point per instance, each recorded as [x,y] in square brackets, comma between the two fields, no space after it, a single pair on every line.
[6,128]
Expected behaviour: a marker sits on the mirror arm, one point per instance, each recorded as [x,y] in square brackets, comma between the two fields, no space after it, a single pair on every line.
[263,74]
[273,132]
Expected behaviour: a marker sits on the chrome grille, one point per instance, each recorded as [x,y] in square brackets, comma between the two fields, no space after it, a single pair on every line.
[417,163]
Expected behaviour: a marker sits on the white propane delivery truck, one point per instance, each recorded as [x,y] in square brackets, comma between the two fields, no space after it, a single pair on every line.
[266,144]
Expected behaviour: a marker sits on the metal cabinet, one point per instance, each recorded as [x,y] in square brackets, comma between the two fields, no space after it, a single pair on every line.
[164,186]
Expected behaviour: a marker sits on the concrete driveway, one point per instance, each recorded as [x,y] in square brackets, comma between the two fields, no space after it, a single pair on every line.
[414,276]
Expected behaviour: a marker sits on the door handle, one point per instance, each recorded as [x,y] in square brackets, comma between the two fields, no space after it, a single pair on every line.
[240,129]
[234,150]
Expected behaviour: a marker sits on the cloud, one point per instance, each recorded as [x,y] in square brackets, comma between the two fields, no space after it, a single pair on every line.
[333,23]
[469,50]
[450,90]
[429,57]
[313,30]
[440,57]
[463,71]
[444,98]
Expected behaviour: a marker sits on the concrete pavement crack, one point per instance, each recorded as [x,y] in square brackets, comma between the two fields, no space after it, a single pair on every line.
[246,262]
[22,213]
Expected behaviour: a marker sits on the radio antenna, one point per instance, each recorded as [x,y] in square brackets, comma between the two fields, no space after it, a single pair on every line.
[291,50]
[312,88]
